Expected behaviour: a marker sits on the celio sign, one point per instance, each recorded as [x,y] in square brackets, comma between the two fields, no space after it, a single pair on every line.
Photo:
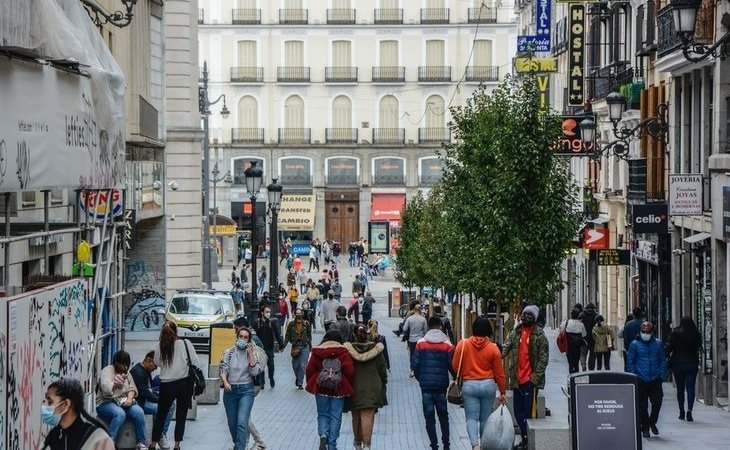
[651,218]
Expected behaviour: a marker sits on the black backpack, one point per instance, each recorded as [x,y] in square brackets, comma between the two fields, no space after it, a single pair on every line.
[330,377]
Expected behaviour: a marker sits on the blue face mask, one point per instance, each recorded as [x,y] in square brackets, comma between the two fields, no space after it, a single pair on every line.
[241,343]
[49,415]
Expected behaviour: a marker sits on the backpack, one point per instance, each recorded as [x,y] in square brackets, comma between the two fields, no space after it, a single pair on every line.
[330,377]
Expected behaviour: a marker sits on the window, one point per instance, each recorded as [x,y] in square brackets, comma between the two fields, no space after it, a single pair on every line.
[389,114]
[294,112]
[341,54]
[482,53]
[294,54]
[28,199]
[341,112]
[435,112]
[435,53]
[389,4]
[433,4]
[295,171]
[240,164]
[57,196]
[248,112]
[247,54]
[293,4]
[247,4]
[388,53]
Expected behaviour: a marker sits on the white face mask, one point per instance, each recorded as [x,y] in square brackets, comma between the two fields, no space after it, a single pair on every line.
[646,336]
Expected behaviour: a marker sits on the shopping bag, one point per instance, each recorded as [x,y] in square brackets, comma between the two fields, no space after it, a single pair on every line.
[499,432]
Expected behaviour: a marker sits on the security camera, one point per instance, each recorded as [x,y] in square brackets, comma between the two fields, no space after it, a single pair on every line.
[172,216]
[173,185]
[156,185]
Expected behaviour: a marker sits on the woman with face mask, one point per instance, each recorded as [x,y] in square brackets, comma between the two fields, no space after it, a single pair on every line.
[237,370]
[73,427]
[299,335]
[115,400]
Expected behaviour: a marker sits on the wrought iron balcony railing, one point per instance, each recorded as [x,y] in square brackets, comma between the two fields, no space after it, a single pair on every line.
[341,16]
[341,135]
[201,16]
[434,73]
[247,74]
[247,135]
[295,135]
[246,16]
[294,16]
[434,15]
[394,136]
[292,74]
[668,40]
[482,73]
[389,74]
[388,16]
[434,135]
[340,74]
[485,14]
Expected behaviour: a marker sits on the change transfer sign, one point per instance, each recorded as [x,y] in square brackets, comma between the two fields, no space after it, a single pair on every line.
[297,212]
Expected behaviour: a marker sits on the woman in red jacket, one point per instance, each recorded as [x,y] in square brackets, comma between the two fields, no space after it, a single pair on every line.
[329,377]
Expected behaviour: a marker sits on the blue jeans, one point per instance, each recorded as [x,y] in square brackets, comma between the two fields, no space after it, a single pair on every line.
[116,416]
[238,403]
[479,398]
[436,400]
[685,375]
[151,408]
[525,405]
[329,418]
[299,364]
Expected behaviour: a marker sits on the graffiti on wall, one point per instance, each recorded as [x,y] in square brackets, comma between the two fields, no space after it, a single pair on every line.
[144,303]
[46,334]
[3,356]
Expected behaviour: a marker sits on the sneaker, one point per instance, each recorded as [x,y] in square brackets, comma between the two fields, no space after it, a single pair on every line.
[357,445]
[258,446]
[645,433]
[681,415]
[412,374]
[654,429]
[323,442]
[163,442]
[141,447]
[689,417]
[272,384]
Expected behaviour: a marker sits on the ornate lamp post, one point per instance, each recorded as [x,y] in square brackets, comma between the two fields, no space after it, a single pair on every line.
[274,191]
[254,177]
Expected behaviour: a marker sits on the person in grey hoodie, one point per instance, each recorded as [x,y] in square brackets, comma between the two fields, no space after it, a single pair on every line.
[329,310]
[337,289]
[416,328]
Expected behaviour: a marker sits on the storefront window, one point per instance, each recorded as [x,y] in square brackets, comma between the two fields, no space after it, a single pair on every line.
[430,171]
[240,165]
[342,171]
[295,171]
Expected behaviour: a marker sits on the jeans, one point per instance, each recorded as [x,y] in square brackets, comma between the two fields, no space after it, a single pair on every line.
[178,391]
[685,375]
[651,391]
[238,403]
[411,352]
[525,405]
[436,400]
[362,425]
[603,359]
[117,415]
[329,418]
[299,363]
[479,398]
[313,306]
[151,408]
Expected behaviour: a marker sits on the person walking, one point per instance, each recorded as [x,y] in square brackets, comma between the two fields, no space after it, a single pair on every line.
[630,332]
[313,295]
[293,295]
[337,289]
[357,286]
[588,317]
[375,336]
[313,258]
[683,350]
[238,368]
[367,307]
[329,310]
[448,330]
[528,351]
[262,276]
[432,364]
[415,328]
[268,330]
[603,342]
[478,362]
[647,360]
[147,398]
[172,356]
[283,313]
[369,384]
[299,335]
[237,296]
[72,427]
[330,374]
[115,402]
[576,332]
[344,326]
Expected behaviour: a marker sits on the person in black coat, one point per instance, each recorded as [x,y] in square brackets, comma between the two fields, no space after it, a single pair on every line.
[588,317]
[629,332]
[683,350]
[267,329]
[147,396]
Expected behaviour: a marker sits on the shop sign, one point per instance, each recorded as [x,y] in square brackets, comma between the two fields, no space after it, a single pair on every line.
[571,143]
[543,84]
[224,230]
[685,194]
[526,43]
[96,204]
[646,251]
[613,257]
[542,20]
[297,213]
[595,238]
[130,225]
[576,56]
[726,213]
[535,65]
[650,218]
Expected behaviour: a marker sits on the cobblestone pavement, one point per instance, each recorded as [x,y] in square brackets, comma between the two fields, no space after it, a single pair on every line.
[286,417]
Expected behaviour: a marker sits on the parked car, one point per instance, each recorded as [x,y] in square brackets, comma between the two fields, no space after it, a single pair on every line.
[194,311]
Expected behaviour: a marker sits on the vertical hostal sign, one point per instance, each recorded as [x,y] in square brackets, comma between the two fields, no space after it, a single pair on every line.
[576,57]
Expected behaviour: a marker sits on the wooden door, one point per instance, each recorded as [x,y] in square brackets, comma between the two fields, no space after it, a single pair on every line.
[342,222]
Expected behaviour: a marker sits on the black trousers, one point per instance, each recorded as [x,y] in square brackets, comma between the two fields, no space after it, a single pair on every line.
[648,392]
[180,391]
[603,359]
[573,355]
[270,364]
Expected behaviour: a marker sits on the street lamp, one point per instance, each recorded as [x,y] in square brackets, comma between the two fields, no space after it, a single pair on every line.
[656,127]
[117,18]
[254,177]
[684,14]
[588,132]
[204,105]
[274,191]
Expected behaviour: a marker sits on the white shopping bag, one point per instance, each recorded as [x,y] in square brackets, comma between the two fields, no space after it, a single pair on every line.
[499,432]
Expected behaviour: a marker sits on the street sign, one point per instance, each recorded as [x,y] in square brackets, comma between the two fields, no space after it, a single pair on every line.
[535,43]
[535,65]
[571,143]
[604,411]
[613,257]
[685,194]
[595,238]
[650,218]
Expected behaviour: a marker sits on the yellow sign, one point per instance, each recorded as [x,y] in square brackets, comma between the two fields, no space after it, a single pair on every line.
[297,213]
[83,252]
[528,65]
[223,230]
[222,337]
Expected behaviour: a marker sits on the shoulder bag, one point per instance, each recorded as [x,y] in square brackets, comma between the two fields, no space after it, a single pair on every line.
[195,375]
[454,395]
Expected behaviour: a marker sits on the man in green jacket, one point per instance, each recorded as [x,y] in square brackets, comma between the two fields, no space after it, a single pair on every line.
[527,351]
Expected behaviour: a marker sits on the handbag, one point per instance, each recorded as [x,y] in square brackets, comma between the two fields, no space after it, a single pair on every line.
[562,341]
[454,394]
[195,375]
[295,351]
[609,342]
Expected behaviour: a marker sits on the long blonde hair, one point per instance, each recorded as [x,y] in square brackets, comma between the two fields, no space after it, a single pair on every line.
[373,328]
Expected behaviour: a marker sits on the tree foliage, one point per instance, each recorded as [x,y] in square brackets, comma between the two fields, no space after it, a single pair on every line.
[500,221]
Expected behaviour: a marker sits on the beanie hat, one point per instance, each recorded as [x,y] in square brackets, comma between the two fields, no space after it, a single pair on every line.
[531,309]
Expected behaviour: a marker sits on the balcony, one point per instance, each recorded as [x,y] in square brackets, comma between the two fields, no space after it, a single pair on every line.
[246,17]
[292,74]
[388,16]
[293,16]
[610,79]
[391,136]
[434,73]
[201,16]
[295,135]
[341,135]
[247,135]
[340,74]
[340,16]
[482,73]
[247,74]
[484,14]
[668,40]
[434,135]
[389,74]
[434,15]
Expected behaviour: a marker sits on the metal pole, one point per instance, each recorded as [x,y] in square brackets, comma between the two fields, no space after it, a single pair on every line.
[274,257]
[46,228]
[253,248]
[206,180]
[6,270]
[215,213]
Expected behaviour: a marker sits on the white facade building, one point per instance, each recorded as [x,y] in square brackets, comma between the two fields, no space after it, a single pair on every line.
[346,100]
